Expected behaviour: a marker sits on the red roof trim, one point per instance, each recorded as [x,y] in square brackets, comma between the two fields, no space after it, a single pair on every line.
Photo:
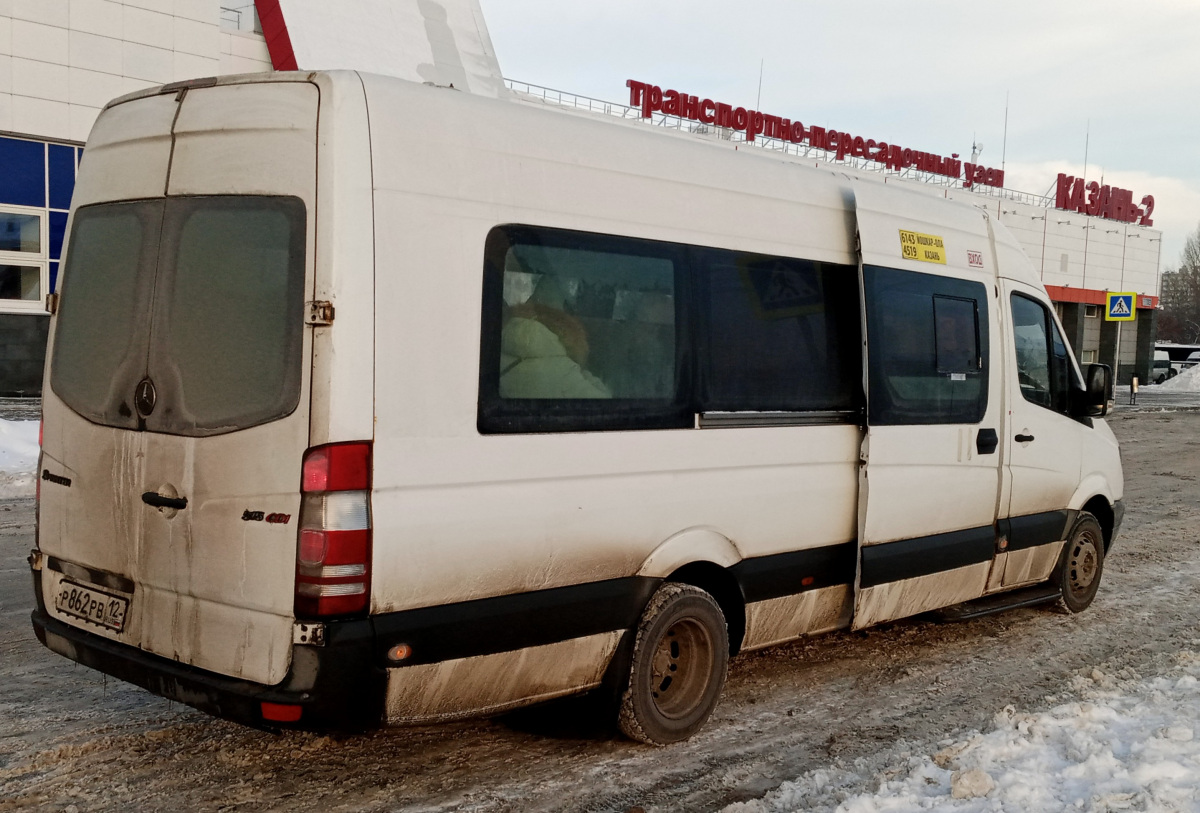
[279,44]
[1089,296]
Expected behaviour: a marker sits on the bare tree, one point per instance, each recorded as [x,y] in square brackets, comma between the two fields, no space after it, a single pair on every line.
[1179,320]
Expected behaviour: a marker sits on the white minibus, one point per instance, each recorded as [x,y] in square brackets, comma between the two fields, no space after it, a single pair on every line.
[370,402]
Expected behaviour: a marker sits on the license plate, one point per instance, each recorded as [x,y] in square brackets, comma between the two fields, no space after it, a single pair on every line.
[92,604]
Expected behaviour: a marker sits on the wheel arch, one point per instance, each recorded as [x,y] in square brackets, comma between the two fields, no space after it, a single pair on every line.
[719,583]
[702,557]
[1099,507]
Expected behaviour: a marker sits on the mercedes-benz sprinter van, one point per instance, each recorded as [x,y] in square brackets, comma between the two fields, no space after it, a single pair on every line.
[369,402]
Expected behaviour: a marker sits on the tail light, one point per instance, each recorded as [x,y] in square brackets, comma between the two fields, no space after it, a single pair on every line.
[333,558]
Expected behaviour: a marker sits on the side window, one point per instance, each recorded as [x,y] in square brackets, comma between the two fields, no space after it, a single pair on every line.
[588,332]
[1043,363]
[927,348]
[780,334]
[579,332]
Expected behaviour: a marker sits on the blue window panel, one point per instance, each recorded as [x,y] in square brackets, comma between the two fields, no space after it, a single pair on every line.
[53,276]
[62,176]
[58,231]
[22,172]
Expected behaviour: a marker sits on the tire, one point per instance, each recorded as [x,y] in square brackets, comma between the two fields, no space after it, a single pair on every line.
[678,667]
[1082,564]
[1161,378]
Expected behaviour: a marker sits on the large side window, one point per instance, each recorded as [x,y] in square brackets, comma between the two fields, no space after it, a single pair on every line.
[585,332]
[580,332]
[927,348]
[781,335]
[1043,363]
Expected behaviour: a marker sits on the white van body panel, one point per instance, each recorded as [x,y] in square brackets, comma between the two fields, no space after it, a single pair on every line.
[128,153]
[688,546]
[219,133]
[213,590]
[551,510]
[789,617]
[489,684]
[911,468]
[1046,469]
[343,406]
[907,597]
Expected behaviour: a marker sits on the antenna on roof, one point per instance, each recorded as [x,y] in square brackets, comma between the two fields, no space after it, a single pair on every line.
[758,102]
[1086,143]
[1004,144]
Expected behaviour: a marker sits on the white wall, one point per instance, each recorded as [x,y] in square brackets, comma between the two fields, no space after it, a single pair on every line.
[1102,255]
[444,42]
[62,60]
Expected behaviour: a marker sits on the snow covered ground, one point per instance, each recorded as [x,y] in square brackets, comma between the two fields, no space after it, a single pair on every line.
[18,457]
[1117,742]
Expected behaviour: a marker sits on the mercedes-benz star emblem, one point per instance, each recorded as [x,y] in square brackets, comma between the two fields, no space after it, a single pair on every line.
[145,397]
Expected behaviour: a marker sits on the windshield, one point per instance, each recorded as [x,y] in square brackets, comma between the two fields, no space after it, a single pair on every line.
[201,297]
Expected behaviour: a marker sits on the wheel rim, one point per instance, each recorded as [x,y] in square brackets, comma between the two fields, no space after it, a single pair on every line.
[681,669]
[1084,563]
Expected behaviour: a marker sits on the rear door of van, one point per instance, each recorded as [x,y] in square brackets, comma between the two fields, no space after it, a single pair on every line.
[177,408]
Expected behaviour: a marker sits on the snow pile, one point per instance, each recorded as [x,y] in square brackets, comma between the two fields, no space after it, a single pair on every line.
[18,457]
[1122,743]
[1186,381]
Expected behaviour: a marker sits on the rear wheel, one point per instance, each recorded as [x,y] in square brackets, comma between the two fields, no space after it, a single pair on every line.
[1078,573]
[679,662]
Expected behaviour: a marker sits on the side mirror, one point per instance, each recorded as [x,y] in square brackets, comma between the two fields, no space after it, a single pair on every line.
[1096,396]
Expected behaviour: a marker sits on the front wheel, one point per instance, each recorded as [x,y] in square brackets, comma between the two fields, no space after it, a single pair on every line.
[1078,572]
[680,658]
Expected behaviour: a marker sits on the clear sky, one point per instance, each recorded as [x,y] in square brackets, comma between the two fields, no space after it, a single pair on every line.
[1119,77]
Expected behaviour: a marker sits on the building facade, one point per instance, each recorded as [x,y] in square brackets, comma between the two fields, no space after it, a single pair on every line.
[1081,259]
[61,61]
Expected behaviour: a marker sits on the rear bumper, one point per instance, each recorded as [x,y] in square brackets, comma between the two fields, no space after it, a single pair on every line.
[336,686]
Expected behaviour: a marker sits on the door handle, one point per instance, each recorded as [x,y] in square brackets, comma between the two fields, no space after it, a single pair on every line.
[159,501]
[1023,438]
[986,441]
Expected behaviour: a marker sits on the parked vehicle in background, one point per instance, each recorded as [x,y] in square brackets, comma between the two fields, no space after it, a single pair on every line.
[346,425]
[1182,356]
[1162,369]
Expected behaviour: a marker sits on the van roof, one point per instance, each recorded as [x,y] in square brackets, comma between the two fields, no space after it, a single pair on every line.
[758,157]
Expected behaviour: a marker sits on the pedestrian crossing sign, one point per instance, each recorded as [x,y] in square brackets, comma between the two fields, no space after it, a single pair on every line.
[1119,307]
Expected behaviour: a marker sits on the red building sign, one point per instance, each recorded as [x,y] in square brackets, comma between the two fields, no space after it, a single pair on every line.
[653,99]
[1109,202]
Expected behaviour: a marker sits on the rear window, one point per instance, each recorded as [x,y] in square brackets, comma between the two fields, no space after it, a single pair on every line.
[104,317]
[202,297]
